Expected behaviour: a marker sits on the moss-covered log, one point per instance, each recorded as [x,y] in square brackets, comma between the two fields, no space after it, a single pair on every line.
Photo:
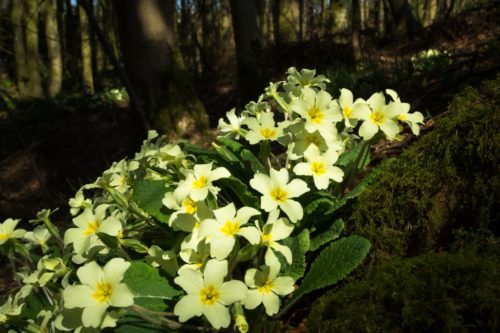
[446,183]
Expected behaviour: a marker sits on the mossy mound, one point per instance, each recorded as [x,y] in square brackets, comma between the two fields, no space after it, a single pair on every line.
[449,180]
[429,293]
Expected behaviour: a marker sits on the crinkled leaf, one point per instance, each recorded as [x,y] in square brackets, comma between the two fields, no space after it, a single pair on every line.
[244,154]
[366,181]
[299,245]
[334,263]
[148,194]
[239,189]
[327,236]
[150,288]
[349,157]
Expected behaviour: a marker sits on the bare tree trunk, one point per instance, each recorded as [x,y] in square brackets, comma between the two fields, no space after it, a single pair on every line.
[72,60]
[155,66]
[302,14]
[16,15]
[276,21]
[404,19]
[246,37]
[356,22]
[380,17]
[86,52]
[33,57]
[99,53]
[53,48]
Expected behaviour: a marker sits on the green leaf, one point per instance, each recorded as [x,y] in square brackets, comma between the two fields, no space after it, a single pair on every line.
[299,245]
[108,240]
[135,244]
[334,263]
[244,154]
[349,157]
[316,210]
[240,190]
[327,236]
[148,195]
[150,288]
[133,323]
[366,181]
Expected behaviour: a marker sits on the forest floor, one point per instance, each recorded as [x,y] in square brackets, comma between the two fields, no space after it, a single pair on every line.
[48,150]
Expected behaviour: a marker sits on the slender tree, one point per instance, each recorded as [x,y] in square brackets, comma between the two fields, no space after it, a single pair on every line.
[53,48]
[21,73]
[403,16]
[86,52]
[155,66]
[34,87]
[246,37]
[356,24]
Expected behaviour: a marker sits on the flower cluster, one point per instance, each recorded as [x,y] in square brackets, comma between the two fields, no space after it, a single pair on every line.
[220,227]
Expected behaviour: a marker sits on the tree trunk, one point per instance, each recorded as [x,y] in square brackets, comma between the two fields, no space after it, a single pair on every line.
[86,52]
[276,21]
[155,67]
[16,15]
[99,53]
[356,23]
[53,48]
[404,19]
[246,38]
[33,57]
[380,18]
[72,60]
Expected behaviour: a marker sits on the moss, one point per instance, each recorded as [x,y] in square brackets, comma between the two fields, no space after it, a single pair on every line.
[448,180]
[429,293]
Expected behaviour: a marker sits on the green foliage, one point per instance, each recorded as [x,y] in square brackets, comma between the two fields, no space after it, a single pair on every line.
[430,293]
[148,194]
[331,234]
[448,180]
[150,288]
[299,245]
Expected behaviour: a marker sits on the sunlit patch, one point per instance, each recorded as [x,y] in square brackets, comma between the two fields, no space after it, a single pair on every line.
[278,194]
[230,228]
[103,292]
[209,295]
[315,115]
[377,118]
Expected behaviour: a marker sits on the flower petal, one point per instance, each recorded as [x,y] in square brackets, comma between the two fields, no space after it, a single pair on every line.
[121,296]
[115,269]
[283,285]
[251,234]
[92,315]
[218,315]
[90,274]
[271,303]
[190,280]
[77,296]
[215,272]
[189,306]
[232,291]
[254,298]
[293,210]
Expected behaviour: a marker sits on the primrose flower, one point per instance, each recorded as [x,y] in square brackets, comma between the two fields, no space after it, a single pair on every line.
[208,294]
[39,236]
[233,129]
[273,231]
[380,116]
[278,192]
[222,230]
[100,289]
[84,237]
[198,182]
[263,129]
[167,260]
[266,287]
[320,166]
[195,258]
[350,107]
[10,308]
[78,203]
[319,111]
[401,110]
[7,230]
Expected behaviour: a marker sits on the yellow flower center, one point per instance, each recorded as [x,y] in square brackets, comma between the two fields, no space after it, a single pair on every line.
[209,295]
[120,234]
[91,228]
[315,115]
[278,194]
[318,168]
[189,206]
[402,117]
[230,228]
[103,292]
[200,183]
[198,264]
[377,118]
[267,287]
[4,235]
[347,112]
[267,239]
[314,139]
[267,133]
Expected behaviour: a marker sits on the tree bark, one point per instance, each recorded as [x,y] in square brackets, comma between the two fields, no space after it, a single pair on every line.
[155,66]
[380,17]
[32,53]
[246,37]
[404,19]
[86,52]
[53,48]
[356,23]
[16,15]
[276,21]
